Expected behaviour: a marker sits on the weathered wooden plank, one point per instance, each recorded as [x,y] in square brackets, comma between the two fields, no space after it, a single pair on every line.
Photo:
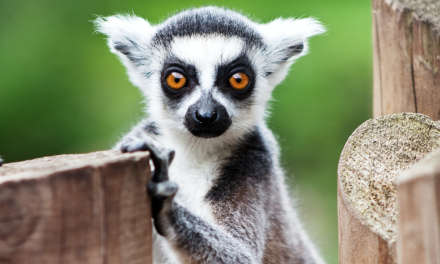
[357,243]
[419,212]
[392,60]
[406,56]
[426,65]
[374,155]
[88,208]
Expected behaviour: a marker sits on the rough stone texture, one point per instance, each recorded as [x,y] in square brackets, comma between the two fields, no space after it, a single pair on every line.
[375,154]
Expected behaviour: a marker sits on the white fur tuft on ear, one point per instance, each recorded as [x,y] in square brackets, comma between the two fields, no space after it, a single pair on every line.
[128,36]
[287,38]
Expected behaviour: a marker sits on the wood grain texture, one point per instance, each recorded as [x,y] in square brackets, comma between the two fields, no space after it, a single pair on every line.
[393,91]
[373,157]
[88,208]
[358,244]
[406,55]
[426,65]
[419,212]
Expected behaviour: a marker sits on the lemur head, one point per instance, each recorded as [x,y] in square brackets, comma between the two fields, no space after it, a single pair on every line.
[207,72]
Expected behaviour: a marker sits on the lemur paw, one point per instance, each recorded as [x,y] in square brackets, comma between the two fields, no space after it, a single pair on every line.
[161,190]
[162,195]
[161,156]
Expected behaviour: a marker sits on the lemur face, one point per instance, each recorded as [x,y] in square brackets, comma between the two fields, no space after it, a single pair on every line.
[207,72]
[208,83]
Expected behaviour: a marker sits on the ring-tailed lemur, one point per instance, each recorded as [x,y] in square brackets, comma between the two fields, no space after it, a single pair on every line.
[207,75]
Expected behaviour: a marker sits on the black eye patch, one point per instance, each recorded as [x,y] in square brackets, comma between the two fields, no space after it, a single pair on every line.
[225,71]
[189,71]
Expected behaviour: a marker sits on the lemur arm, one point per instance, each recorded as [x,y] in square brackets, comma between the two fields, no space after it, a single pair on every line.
[145,128]
[196,240]
[200,241]
[237,237]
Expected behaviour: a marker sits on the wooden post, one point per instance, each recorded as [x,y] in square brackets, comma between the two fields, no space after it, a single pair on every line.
[374,155]
[406,52]
[88,208]
[419,212]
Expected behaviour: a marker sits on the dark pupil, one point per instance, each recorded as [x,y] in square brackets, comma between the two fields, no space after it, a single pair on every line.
[238,80]
[177,80]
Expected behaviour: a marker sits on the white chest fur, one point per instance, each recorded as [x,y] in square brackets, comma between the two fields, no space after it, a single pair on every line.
[195,176]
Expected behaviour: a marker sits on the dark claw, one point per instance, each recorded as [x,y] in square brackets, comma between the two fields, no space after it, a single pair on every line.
[1,161]
[124,148]
[171,157]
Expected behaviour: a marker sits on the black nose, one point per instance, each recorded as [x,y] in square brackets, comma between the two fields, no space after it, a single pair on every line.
[205,117]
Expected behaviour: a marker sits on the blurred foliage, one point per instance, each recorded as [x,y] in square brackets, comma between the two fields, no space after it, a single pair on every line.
[62,91]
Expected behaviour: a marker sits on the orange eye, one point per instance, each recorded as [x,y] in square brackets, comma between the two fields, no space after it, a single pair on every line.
[176,80]
[239,81]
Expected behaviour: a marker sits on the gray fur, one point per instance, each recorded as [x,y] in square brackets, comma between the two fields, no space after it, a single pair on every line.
[223,199]
[207,21]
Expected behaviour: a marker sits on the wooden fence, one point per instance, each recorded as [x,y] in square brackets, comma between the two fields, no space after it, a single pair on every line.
[388,191]
[89,208]
[386,217]
[93,208]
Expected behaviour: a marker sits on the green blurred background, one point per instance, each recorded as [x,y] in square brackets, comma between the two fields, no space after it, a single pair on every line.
[62,91]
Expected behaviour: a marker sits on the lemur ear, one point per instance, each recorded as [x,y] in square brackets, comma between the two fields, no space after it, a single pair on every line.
[128,36]
[287,38]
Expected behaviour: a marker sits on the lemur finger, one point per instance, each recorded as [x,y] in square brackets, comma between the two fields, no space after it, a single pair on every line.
[132,145]
[163,189]
[1,161]
[124,148]
[137,146]
[162,158]
[162,195]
